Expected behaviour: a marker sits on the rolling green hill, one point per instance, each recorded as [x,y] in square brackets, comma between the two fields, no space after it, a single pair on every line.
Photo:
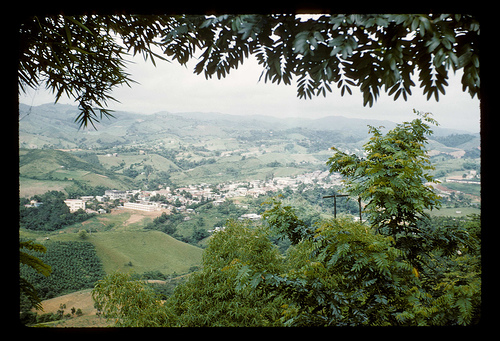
[146,251]
[145,151]
[53,126]
[43,170]
[120,243]
[157,162]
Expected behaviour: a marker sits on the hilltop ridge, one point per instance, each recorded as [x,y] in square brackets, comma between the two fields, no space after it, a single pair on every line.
[134,150]
[57,121]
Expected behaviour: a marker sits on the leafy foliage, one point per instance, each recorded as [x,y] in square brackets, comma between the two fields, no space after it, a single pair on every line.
[286,221]
[166,223]
[28,260]
[345,274]
[392,177]
[129,303]
[79,56]
[364,51]
[210,296]
[342,274]
[392,181]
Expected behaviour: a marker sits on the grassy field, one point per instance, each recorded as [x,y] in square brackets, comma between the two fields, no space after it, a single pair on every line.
[44,170]
[121,241]
[464,187]
[31,187]
[146,251]
[79,300]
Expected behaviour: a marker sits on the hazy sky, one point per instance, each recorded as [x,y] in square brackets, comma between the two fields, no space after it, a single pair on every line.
[174,88]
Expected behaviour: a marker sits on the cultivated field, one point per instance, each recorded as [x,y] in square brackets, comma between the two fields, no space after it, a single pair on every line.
[79,300]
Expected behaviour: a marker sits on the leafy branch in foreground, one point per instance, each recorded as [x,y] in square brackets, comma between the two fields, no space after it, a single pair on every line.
[84,56]
[368,51]
[342,274]
[345,275]
[35,263]
[286,221]
[80,57]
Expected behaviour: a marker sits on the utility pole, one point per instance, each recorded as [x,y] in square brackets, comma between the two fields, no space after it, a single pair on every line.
[359,201]
[335,204]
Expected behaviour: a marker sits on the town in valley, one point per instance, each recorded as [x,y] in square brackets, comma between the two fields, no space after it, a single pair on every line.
[166,200]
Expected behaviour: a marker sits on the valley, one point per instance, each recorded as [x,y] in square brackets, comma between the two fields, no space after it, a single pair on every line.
[149,151]
[193,171]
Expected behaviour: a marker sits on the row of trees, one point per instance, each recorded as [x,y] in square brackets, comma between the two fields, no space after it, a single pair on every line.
[168,225]
[176,225]
[454,140]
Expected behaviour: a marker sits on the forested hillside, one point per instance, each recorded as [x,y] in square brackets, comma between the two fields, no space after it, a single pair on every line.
[41,170]
[51,213]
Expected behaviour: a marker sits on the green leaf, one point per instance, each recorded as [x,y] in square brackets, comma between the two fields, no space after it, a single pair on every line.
[465,305]
[433,43]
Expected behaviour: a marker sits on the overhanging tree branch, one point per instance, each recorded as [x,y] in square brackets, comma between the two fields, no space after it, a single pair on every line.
[80,56]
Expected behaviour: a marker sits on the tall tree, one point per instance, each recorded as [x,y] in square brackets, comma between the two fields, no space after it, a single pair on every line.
[83,56]
[392,177]
[393,180]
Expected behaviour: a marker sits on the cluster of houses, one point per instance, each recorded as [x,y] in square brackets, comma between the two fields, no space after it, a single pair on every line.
[471,177]
[260,187]
[181,198]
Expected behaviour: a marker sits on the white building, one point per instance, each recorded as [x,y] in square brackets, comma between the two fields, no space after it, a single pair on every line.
[251,216]
[114,194]
[75,204]
[217,229]
[140,207]
[87,197]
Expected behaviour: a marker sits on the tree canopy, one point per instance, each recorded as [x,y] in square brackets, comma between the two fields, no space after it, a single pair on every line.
[84,56]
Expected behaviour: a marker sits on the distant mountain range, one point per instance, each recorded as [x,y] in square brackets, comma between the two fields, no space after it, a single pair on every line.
[49,121]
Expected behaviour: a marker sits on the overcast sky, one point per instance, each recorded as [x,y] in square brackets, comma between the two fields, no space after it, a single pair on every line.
[174,88]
